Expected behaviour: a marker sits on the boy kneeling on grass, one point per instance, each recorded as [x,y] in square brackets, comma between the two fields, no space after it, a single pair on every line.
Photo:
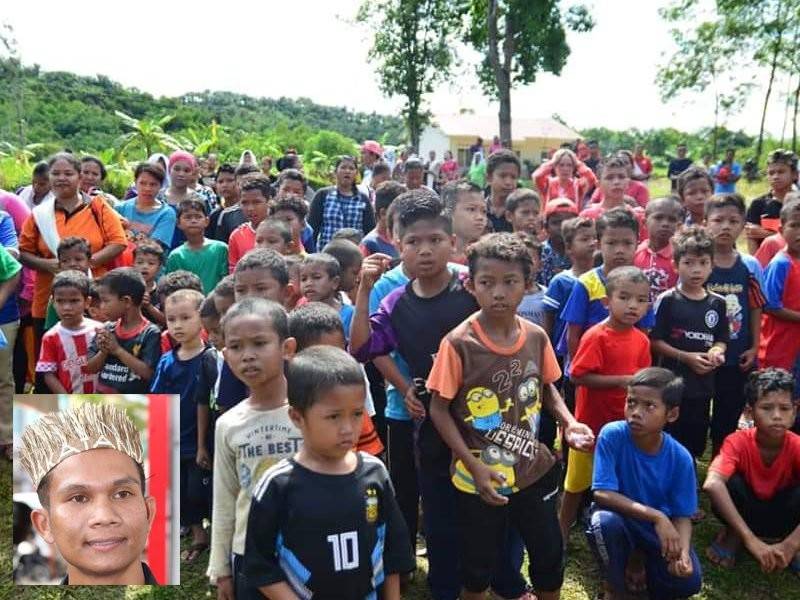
[754,482]
[645,493]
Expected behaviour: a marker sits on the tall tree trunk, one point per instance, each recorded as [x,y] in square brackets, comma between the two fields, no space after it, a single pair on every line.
[773,69]
[715,132]
[502,70]
[794,116]
[786,108]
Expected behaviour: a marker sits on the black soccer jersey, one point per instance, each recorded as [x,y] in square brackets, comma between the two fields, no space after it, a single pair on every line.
[330,537]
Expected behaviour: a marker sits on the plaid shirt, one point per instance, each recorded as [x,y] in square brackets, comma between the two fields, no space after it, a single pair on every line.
[340,211]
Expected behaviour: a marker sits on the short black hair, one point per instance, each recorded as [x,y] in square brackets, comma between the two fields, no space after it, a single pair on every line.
[226,168]
[73,241]
[291,202]
[624,274]
[619,217]
[266,259]
[381,168]
[521,195]
[208,310]
[720,201]
[453,191]
[192,202]
[781,156]
[673,201]
[258,182]
[326,261]
[420,205]
[267,309]
[98,162]
[225,287]
[670,385]
[243,170]
[317,370]
[788,209]
[346,253]
[292,175]
[695,241]
[386,193]
[615,161]
[768,380]
[501,157]
[151,247]
[178,280]
[570,228]
[125,281]
[72,279]
[277,225]
[350,234]
[505,246]
[152,169]
[310,321]
[43,490]
[693,174]
[41,169]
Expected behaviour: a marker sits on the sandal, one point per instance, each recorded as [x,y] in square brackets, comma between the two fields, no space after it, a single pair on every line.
[720,556]
[194,551]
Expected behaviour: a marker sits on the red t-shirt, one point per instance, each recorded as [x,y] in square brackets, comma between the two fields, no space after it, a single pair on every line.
[241,241]
[740,454]
[65,353]
[769,248]
[606,351]
[657,266]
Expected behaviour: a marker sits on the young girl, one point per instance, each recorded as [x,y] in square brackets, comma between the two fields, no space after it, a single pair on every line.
[564,176]
[341,205]
[145,216]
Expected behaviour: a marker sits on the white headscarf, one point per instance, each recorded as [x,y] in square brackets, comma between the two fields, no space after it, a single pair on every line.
[159,158]
[252,154]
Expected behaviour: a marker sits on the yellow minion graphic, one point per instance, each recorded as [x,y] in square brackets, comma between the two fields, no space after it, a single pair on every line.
[500,460]
[528,397]
[484,407]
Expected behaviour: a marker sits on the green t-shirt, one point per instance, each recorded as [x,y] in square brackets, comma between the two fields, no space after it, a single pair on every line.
[9,266]
[210,262]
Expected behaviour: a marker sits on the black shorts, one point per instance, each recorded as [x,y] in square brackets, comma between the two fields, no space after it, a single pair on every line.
[195,492]
[533,512]
[691,428]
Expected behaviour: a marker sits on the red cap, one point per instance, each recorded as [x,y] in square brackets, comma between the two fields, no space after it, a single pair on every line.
[560,205]
[372,146]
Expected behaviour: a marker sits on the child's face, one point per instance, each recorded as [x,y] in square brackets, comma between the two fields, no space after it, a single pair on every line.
[254,351]
[498,286]
[695,195]
[583,244]
[223,303]
[332,424]
[112,305]
[73,259]
[774,414]
[565,168]
[628,302]
[414,178]
[425,248]
[316,284]
[292,186]
[257,283]
[469,217]
[725,225]
[292,221]
[662,222]
[790,230]
[70,305]
[349,278]
[646,412]
[40,185]
[183,320]
[554,222]
[147,186]
[268,237]
[97,516]
[617,245]
[226,185]
[148,265]
[254,206]
[614,181]
[503,181]
[211,325]
[181,174]
[694,270]
[378,179]
[193,222]
[780,176]
[525,218]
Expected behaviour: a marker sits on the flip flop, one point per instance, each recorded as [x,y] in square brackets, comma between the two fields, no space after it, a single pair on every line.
[194,552]
[716,553]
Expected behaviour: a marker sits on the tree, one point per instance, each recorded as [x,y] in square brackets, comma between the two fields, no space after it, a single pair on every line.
[14,81]
[413,50]
[146,134]
[519,38]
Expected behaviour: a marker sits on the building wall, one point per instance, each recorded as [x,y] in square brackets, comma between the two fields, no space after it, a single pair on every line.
[433,138]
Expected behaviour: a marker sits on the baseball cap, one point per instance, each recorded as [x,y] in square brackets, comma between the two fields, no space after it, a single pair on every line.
[560,205]
[372,146]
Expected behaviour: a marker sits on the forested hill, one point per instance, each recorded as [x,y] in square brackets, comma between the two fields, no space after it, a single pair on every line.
[78,112]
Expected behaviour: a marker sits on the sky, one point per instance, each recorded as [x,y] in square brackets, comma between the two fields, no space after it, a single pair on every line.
[313,49]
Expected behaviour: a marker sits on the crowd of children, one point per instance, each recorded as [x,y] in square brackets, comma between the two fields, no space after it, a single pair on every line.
[512,345]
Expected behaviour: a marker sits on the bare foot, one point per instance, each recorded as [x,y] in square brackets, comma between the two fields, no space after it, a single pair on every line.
[722,551]
[635,576]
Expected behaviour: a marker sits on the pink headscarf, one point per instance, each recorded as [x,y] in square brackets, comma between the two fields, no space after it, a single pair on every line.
[179,155]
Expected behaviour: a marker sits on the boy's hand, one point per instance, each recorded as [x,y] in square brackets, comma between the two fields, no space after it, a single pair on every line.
[716,356]
[485,478]
[372,268]
[112,344]
[785,552]
[225,588]
[681,567]
[146,299]
[768,557]
[413,404]
[698,362]
[579,437]
[669,537]
[747,359]
[203,459]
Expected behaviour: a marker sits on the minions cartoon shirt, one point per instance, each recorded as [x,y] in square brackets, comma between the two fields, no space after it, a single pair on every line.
[495,395]
[144,343]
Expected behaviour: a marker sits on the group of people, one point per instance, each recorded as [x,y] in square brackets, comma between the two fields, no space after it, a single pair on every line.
[381,352]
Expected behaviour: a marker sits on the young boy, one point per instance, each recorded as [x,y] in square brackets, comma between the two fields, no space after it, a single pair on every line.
[502,175]
[74,254]
[645,492]
[330,509]
[691,335]
[413,319]
[465,203]
[274,234]
[253,435]
[615,175]
[292,210]
[167,285]
[554,255]
[490,380]
[380,238]
[522,211]
[320,277]
[763,214]
[255,192]
[65,345]
[617,231]
[148,259]
[737,278]
[178,372]
[125,351]
[608,355]
[261,273]
[349,258]
[695,187]
[780,330]
[654,255]
[80,461]
[754,482]
[224,219]
[198,254]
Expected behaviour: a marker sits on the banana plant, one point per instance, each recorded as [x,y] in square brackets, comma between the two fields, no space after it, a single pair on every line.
[146,134]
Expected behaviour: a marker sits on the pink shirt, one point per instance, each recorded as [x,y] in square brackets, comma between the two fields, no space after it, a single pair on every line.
[636,190]
[241,241]
[19,211]
[657,266]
